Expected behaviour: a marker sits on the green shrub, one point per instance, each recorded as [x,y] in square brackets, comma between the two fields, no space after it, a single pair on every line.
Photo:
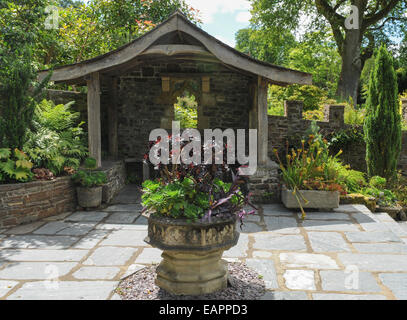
[18,91]
[314,98]
[354,116]
[345,139]
[377,182]
[353,180]
[383,122]
[89,178]
[15,166]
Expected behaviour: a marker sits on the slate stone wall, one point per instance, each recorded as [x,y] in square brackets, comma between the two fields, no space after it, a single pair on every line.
[27,202]
[292,127]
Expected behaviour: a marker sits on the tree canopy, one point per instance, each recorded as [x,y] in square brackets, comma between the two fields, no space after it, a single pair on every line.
[357,26]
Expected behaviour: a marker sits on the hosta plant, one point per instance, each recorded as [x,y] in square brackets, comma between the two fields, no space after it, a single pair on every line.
[15,166]
[196,191]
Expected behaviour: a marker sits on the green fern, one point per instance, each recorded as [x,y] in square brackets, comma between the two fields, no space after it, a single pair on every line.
[57,141]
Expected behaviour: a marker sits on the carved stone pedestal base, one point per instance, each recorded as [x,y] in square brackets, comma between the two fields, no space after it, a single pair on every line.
[192,273]
[192,259]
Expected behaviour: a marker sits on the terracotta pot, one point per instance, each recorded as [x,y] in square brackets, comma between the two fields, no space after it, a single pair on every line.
[192,253]
[89,197]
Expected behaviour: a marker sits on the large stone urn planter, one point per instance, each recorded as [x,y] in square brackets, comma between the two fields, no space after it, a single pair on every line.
[192,253]
[316,199]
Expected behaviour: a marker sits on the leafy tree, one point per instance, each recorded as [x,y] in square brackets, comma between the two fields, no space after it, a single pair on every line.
[383,121]
[316,53]
[376,20]
[265,45]
[99,26]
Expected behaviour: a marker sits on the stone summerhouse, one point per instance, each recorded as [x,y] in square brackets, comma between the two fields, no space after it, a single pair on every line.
[132,90]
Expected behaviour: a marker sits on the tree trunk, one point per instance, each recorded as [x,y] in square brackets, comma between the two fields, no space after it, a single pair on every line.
[351,66]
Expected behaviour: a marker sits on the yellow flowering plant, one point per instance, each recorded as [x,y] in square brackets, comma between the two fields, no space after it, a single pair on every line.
[311,167]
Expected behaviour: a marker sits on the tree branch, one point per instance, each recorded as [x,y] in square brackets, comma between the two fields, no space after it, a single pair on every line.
[335,20]
[386,20]
[373,19]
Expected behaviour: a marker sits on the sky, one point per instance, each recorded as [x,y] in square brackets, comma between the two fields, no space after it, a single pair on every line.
[223,18]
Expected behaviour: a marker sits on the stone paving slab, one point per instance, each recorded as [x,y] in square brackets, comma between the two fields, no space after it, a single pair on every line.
[266,269]
[273,241]
[91,239]
[327,242]
[240,250]
[96,273]
[250,227]
[65,290]
[333,280]
[262,254]
[276,210]
[252,218]
[35,270]
[66,228]
[372,237]
[110,256]
[25,228]
[87,216]
[285,295]
[329,225]
[42,255]
[131,238]
[397,283]
[6,286]
[400,248]
[300,279]
[124,207]
[117,226]
[352,208]
[132,269]
[284,225]
[38,242]
[307,260]
[375,262]
[339,296]
[149,256]
[325,216]
[122,217]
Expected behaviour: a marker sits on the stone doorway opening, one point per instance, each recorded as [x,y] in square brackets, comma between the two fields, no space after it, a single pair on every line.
[186,110]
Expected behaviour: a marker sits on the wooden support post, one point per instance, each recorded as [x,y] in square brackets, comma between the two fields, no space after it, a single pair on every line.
[112,118]
[262,121]
[94,126]
[146,171]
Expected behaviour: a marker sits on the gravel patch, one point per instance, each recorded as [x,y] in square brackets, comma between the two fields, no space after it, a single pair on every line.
[243,284]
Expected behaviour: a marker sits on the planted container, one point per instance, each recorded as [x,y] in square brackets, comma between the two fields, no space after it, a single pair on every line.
[90,182]
[89,197]
[316,199]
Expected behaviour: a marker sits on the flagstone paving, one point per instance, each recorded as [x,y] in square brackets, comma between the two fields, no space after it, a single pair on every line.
[347,254]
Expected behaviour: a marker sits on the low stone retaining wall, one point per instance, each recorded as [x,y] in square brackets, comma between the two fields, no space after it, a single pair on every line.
[27,202]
